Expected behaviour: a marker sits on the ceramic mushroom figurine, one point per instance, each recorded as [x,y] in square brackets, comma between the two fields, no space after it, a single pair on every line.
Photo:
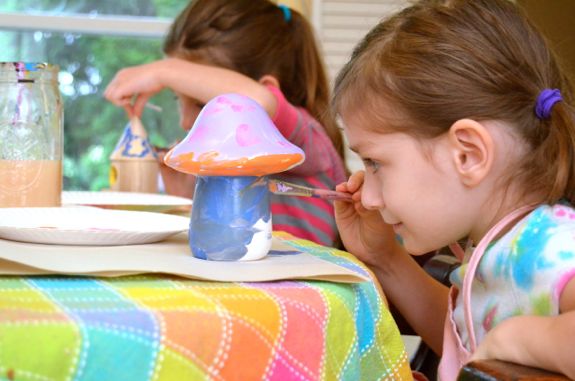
[232,147]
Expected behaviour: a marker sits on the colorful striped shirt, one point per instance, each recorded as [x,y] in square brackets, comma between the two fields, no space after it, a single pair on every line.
[307,217]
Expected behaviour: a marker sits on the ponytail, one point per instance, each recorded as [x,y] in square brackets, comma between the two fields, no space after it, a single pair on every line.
[551,167]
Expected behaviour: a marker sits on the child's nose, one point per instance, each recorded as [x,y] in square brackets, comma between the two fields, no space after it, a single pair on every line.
[371,197]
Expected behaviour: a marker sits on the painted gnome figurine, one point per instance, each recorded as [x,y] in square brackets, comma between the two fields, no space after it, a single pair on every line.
[232,147]
[134,166]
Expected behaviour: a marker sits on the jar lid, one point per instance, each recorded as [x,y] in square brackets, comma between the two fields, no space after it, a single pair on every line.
[28,71]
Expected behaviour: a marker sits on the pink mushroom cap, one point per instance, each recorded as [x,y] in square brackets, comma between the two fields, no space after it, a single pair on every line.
[234,136]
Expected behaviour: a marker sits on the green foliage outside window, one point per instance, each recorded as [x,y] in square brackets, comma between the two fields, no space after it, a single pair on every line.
[92,126]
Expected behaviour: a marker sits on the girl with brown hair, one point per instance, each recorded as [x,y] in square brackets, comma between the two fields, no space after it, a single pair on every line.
[264,51]
[466,126]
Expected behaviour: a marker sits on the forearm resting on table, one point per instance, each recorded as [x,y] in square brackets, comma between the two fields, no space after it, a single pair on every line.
[421,300]
[548,344]
[204,82]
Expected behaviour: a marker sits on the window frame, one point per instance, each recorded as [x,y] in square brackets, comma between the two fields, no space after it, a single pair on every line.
[103,25]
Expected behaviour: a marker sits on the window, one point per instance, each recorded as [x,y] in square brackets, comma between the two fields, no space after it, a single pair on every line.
[341,25]
[90,40]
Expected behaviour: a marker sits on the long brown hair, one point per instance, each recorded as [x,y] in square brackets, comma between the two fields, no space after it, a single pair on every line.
[255,38]
[439,61]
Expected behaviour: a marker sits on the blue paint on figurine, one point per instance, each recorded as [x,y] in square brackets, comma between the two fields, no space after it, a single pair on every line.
[231,218]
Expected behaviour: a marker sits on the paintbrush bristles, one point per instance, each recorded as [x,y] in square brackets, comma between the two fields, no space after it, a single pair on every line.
[288,189]
[280,187]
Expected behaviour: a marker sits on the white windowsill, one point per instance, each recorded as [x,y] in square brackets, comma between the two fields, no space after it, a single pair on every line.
[87,24]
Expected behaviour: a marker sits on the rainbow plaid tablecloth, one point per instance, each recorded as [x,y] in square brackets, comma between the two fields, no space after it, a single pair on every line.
[161,327]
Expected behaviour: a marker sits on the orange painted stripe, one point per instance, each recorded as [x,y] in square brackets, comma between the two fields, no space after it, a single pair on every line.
[207,165]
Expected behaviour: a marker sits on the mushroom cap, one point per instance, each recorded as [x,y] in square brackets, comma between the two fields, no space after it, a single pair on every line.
[233,136]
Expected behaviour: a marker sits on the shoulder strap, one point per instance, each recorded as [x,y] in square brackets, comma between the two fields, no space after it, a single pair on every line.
[474,262]
[457,251]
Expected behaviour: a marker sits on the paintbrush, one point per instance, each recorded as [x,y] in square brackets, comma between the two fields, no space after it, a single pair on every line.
[288,189]
[284,188]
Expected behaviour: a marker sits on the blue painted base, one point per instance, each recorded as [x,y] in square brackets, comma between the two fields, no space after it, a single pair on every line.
[231,218]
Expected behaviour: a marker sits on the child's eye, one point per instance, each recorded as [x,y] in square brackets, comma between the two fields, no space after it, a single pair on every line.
[370,164]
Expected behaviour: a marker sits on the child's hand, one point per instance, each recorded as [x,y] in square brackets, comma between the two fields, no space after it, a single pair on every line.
[491,343]
[548,345]
[132,87]
[363,232]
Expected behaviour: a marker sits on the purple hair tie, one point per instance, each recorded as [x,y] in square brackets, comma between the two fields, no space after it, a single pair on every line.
[545,102]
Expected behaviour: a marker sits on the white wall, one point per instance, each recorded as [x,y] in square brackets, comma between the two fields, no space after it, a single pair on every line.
[340,25]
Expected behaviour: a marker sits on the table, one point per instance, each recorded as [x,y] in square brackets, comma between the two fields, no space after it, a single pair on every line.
[492,370]
[163,327]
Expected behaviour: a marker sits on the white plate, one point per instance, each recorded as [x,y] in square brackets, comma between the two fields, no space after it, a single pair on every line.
[151,202]
[87,226]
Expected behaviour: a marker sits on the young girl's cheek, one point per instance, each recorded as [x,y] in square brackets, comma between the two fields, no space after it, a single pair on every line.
[185,122]
[188,115]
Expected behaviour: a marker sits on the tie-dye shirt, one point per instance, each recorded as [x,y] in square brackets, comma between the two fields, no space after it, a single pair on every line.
[522,273]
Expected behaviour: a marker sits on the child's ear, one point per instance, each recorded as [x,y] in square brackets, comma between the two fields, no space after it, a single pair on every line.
[472,150]
[269,80]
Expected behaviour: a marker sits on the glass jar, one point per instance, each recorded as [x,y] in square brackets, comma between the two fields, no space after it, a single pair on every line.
[31,135]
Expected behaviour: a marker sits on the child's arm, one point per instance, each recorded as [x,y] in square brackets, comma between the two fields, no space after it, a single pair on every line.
[542,342]
[138,84]
[420,299]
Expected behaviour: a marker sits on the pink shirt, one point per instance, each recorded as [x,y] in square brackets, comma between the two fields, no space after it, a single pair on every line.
[306,217]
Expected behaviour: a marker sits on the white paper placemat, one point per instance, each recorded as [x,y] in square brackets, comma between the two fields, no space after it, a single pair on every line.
[171,256]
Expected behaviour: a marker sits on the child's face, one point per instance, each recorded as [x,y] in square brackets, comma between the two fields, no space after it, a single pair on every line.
[189,110]
[413,188]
